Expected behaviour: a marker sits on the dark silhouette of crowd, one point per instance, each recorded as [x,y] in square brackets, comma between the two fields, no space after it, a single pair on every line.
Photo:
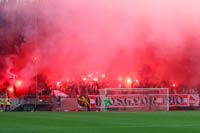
[72,88]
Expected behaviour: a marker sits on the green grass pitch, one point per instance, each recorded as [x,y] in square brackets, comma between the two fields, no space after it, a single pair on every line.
[100,122]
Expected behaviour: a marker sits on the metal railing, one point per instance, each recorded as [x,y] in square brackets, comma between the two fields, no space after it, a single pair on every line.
[31,100]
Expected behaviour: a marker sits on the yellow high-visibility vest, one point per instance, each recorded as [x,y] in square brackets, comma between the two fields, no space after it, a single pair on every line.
[7,101]
[2,101]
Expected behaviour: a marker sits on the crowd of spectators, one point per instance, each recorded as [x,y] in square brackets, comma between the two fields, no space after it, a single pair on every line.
[93,87]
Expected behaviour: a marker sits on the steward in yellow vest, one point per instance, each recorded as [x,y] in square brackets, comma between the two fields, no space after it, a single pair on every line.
[8,104]
[2,103]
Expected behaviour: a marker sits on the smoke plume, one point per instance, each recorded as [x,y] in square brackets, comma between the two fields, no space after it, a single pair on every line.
[150,39]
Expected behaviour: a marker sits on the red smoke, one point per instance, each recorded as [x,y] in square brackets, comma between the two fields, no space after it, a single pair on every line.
[152,40]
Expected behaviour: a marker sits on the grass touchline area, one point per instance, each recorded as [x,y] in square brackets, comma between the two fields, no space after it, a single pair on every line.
[100,122]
